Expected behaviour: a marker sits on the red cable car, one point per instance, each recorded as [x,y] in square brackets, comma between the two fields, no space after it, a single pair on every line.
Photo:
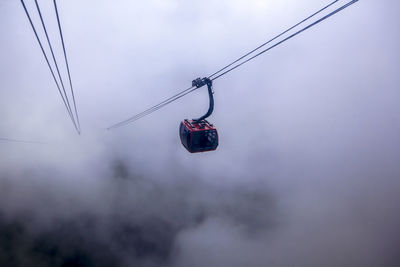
[198,135]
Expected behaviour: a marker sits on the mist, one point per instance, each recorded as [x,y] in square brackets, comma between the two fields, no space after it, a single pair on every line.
[306,173]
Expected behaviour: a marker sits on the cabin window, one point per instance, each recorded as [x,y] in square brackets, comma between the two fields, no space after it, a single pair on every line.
[204,139]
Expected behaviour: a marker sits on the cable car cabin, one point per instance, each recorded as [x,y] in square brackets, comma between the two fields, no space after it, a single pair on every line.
[198,136]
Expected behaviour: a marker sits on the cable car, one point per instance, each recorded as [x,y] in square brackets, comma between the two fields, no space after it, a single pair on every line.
[198,135]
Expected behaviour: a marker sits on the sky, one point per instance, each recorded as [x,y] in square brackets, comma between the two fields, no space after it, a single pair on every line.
[306,172]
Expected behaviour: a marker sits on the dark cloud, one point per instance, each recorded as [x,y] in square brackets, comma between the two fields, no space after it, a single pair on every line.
[133,220]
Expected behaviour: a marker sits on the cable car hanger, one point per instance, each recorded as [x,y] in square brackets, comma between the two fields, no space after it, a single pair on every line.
[198,135]
[200,83]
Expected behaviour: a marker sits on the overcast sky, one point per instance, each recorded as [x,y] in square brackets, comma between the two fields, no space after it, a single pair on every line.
[307,170]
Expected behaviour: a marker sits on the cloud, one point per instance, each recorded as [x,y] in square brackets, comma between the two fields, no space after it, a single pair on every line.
[122,220]
[306,173]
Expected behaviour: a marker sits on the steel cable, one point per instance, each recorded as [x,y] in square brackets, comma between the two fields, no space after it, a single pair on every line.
[289,37]
[189,90]
[54,59]
[153,108]
[47,61]
[66,62]
[273,39]
[9,140]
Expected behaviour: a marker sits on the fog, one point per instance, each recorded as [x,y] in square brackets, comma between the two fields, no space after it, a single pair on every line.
[306,172]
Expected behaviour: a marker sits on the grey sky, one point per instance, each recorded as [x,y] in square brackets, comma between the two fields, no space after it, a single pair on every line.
[307,169]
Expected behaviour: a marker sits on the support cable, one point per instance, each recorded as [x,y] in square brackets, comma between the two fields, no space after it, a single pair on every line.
[66,62]
[288,38]
[273,39]
[177,96]
[189,90]
[47,61]
[54,60]
[8,140]
[153,108]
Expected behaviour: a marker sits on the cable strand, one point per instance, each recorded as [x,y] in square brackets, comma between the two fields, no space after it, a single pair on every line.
[143,114]
[273,39]
[189,90]
[55,61]
[66,62]
[9,140]
[289,37]
[46,58]
[153,108]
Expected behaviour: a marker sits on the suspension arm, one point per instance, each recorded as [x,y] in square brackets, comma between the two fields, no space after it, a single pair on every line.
[200,83]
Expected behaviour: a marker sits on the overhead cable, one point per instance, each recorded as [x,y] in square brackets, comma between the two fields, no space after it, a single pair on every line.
[154,108]
[186,91]
[49,66]
[288,38]
[273,39]
[8,140]
[66,62]
[189,90]
[54,58]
